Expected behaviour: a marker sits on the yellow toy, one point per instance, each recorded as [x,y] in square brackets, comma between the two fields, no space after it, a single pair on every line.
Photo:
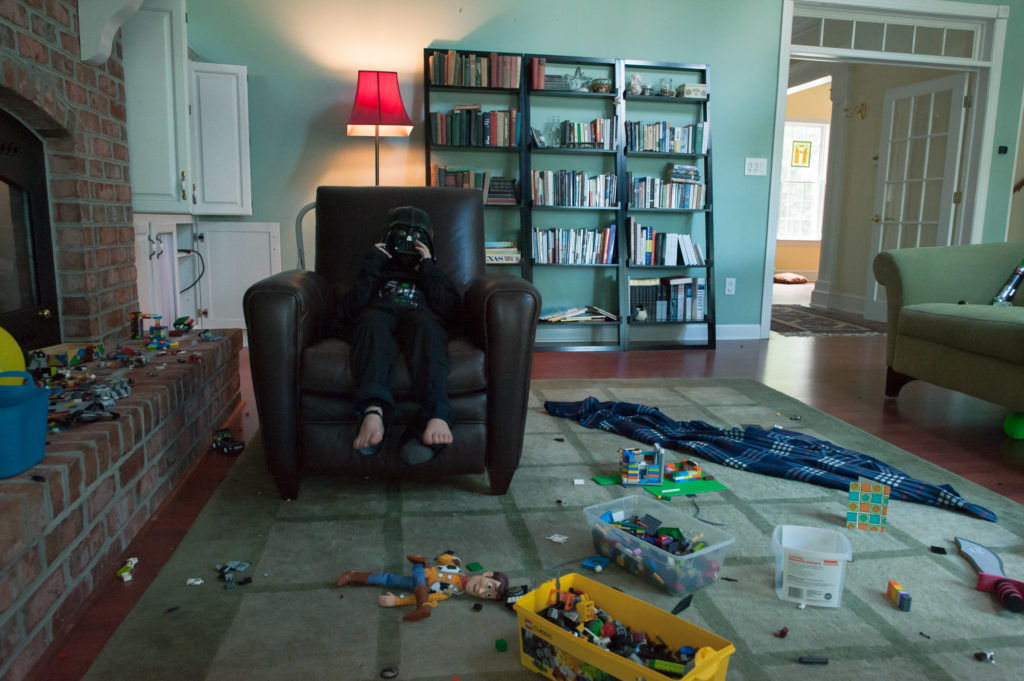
[11,357]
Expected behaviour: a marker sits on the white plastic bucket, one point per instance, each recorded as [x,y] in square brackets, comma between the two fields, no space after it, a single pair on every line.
[810,564]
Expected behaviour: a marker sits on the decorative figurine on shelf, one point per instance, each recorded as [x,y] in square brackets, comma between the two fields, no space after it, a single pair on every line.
[636,84]
[431,584]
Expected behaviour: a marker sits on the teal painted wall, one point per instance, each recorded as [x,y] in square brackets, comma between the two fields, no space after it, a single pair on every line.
[303,56]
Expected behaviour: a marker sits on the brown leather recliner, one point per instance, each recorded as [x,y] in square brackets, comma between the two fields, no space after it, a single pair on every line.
[301,374]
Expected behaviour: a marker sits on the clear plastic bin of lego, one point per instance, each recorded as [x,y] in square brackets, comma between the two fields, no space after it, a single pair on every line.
[658,543]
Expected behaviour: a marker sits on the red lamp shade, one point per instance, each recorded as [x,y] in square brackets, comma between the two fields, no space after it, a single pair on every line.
[378,109]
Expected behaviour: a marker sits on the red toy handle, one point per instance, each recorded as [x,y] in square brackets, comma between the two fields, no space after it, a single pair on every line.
[1010,591]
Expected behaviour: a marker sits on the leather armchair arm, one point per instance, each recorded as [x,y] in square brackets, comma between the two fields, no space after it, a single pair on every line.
[284,313]
[501,313]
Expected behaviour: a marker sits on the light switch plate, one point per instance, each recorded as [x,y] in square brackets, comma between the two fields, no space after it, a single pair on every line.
[756,166]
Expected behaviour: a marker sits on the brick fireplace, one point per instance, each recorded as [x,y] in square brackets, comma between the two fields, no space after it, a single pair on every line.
[78,110]
[65,524]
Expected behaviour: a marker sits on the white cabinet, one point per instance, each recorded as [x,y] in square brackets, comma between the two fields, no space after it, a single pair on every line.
[155,51]
[220,139]
[237,255]
[188,123]
[166,269]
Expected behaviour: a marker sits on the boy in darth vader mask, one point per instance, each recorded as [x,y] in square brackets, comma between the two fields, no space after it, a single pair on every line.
[402,302]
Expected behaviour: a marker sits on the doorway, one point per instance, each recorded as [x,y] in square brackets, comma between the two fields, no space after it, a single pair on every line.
[867,48]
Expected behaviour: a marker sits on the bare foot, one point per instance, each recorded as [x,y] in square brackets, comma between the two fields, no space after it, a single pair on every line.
[371,430]
[437,432]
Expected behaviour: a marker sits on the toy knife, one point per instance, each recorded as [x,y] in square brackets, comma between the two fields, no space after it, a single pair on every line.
[991,577]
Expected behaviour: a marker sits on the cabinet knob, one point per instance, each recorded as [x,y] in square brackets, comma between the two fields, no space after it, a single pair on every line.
[44,313]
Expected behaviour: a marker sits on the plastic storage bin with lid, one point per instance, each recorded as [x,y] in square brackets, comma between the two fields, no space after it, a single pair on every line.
[810,564]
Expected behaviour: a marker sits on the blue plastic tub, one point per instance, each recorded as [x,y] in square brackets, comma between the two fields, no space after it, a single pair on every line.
[22,425]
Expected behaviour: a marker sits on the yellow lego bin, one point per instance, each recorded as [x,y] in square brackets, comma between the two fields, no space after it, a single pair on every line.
[551,651]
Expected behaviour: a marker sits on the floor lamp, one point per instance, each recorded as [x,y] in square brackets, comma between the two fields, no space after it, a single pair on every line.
[378,111]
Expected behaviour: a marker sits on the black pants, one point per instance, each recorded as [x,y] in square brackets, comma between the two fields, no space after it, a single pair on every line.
[383,330]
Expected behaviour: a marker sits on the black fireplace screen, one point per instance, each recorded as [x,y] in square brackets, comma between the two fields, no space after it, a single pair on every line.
[28,290]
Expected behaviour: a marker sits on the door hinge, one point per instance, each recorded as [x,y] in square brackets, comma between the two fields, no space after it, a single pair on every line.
[200,236]
[204,312]
[958,197]
[968,101]
[189,109]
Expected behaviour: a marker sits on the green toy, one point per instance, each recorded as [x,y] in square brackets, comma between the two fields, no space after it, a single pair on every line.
[1013,425]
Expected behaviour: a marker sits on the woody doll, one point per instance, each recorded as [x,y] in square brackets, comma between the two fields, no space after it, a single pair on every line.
[430,584]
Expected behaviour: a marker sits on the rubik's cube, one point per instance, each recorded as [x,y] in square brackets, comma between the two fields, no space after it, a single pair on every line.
[638,467]
[899,596]
[868,506]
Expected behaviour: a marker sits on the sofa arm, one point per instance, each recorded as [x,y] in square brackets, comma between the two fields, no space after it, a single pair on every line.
[284,313]
[501,313]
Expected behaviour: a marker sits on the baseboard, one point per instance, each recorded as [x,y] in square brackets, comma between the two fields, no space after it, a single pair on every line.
[847,302]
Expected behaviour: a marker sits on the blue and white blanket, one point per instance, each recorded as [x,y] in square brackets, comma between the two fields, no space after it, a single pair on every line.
[776,452]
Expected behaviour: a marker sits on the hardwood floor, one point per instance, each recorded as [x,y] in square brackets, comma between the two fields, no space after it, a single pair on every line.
[841,375]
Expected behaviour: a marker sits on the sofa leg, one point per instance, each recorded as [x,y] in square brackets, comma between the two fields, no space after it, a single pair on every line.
[287,486]
[500,480]
[894,382]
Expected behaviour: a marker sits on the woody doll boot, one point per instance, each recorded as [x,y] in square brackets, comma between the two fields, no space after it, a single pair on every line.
[423,606]
[353,578]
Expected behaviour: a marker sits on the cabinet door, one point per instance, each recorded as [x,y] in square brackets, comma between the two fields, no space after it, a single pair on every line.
[158,264]
[155,52]
[236,255]
[220,140]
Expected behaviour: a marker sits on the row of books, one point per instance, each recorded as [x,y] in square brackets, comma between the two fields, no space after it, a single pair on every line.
[468,124]
[647,246]
[496,190]
[573,188]
[583,313]
[447,67]
[574,246]
[501,253]
[665,137]
[654,192]
[669,299]
[597,134]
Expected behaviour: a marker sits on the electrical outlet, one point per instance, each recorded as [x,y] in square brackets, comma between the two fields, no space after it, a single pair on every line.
[730,286]
[756,166]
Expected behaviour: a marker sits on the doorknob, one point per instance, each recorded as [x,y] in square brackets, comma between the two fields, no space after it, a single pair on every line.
[44,313]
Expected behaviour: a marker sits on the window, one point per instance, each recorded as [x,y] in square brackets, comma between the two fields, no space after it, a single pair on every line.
[804,163]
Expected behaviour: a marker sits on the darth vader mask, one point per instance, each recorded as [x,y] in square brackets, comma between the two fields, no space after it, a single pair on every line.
[406,226]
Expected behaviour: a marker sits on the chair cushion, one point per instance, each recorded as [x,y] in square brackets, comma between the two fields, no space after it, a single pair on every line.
[326,369]
[996,332]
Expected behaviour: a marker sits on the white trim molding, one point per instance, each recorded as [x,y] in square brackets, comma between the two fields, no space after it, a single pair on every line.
[99,21]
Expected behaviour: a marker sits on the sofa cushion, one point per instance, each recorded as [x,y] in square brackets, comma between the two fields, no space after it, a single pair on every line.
[996,332]
[326,369]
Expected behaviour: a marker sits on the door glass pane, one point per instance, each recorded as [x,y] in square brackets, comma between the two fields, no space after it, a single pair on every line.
[897,160]
[908,235]
[916,158]
[932,200]
[899,38]
[890,236]
[936,156]
[868,35]
[17,278]
[900,119]
[929,235]
[940,111]
[912,201]
[922,112]
[959,43]
[928,40]
[806,30]
[837,33]
[893,199]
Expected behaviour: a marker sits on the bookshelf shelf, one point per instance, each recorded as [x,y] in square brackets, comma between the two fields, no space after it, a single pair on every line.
[678,173]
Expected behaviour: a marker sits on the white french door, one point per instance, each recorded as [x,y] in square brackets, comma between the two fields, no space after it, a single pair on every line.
[918,165]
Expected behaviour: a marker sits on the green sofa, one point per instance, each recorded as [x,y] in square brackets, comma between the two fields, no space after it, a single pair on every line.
[942,326]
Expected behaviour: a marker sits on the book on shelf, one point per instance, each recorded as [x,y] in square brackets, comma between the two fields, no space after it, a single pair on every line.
[588,313]
[574,246]
[538,67]
[654,192]
[668,299]
[471,69]
[597,134]
[456,176]
[501,191]
[573,188]
[470,125]
[502,256]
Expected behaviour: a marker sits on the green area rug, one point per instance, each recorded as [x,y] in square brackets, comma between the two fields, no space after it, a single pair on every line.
[802,320]
[292,623]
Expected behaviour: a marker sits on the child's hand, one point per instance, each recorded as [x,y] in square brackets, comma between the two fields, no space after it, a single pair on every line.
[388,600]
[382,247]
[423,250]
